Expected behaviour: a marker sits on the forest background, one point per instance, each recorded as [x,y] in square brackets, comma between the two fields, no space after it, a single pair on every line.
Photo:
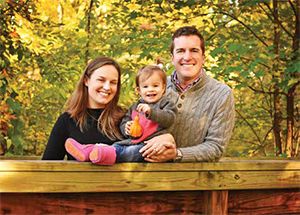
[253,46]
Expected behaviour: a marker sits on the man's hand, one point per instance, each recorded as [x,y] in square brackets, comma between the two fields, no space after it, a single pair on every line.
[166,155]
[159,149]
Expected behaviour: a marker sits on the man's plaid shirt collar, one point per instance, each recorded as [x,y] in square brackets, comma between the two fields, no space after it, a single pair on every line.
[189,86]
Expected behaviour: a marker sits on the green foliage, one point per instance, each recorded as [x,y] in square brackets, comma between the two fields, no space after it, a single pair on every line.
[44,48]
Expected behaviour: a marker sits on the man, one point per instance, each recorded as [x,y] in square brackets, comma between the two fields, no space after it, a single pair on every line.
[205,117]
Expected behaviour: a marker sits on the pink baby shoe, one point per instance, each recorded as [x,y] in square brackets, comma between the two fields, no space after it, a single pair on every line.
[79,151]
[103,154]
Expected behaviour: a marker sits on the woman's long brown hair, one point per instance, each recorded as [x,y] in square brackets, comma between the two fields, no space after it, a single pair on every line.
[77,105]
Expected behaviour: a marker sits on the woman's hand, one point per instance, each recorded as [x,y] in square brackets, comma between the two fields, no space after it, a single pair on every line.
[161,148]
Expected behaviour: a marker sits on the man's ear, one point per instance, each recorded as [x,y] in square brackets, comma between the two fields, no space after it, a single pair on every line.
[172,57]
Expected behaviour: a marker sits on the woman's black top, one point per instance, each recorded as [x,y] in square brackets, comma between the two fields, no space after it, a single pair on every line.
[66,127]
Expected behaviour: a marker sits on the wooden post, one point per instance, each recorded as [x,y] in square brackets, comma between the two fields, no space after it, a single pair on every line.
[215,202]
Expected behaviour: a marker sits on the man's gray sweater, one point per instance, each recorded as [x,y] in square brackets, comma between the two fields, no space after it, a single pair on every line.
[205,119]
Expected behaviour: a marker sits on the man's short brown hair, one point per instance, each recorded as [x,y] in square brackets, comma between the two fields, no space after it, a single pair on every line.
[187,31]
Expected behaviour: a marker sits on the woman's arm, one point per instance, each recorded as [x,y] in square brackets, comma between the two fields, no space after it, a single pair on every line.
[125,119]
[55,148]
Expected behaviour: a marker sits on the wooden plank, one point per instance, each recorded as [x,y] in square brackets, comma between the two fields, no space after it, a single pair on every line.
[261,202]
[64,187]
[256,202]
[145,181]
[103,203]
[241,165]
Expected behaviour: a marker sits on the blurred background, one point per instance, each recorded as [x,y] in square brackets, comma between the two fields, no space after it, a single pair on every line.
[253,46]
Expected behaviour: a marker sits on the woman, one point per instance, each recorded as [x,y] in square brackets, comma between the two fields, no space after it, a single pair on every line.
[153,114]
[92,112]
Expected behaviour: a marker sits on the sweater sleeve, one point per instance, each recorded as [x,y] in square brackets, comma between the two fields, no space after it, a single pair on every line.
[55,149]
[164,114]
[218,134]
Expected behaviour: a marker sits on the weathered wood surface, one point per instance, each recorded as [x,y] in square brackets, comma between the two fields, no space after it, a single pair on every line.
[247,202]
[257,202]
[226,187]
[212,200]
[66,176]
[103,203]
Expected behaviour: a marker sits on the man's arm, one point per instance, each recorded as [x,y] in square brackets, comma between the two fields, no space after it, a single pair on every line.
[211,149]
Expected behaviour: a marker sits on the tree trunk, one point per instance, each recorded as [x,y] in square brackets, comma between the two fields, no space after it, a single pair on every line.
[88,31]
[290,140]
[277,106]
[290,149]
[276,123]
[60,14]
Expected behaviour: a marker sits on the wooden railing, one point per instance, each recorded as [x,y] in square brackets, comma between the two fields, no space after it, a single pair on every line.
[225,187]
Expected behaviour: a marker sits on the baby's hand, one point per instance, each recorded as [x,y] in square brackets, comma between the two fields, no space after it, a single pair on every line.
[144,108]
[127,127]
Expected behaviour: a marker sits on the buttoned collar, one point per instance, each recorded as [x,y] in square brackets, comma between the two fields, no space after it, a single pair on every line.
[176,81]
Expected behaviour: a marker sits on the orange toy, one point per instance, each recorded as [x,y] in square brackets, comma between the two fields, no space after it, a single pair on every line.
[136,129]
